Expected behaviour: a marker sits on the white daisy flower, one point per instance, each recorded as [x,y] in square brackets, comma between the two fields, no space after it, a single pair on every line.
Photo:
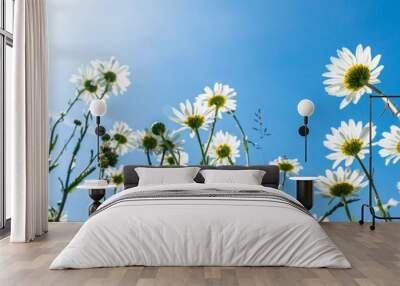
[181,156]
[172,140]
[115,176]
[289,166]
[224,148]
[87,81]
[390,145]
[192,116]
[350,75]
[146,140]
[113,74]
[349,140]
[390,204]
[221,98]
[122,138]
[340,183]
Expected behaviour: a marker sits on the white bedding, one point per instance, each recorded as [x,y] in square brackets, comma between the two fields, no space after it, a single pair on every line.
[185,231]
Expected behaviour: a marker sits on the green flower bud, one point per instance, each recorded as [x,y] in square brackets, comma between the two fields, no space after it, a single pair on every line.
[106,137]
[158,128]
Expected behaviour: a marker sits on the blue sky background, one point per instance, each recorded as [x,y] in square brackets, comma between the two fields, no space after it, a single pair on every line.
[272,52]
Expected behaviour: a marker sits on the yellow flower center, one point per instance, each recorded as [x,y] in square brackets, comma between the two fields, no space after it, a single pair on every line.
[118,179]
[149,142]
[110,77]
[90,86]
[195,121]
[356,77]
[352,147]
[341,189]
[217,100]
[285,166]
[223,151]
[170,160]
[120,138]
[398,147]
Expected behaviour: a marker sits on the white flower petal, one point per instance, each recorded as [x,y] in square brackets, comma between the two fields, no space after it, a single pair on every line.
[338,176]
[338,68]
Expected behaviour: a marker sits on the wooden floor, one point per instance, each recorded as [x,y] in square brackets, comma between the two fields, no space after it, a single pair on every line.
[375,257]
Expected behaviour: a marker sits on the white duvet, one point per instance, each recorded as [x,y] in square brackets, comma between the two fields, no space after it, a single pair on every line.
[200,231]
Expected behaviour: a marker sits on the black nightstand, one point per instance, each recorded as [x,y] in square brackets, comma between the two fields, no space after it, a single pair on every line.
[96,193]
[304,190]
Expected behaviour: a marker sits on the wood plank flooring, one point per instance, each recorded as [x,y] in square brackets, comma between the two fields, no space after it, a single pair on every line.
[375,257]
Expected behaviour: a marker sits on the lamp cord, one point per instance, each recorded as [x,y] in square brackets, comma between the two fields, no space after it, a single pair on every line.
[305,146]
[98,144]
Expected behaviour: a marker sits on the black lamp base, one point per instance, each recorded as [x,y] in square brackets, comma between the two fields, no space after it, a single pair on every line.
[304,131]
[100,130]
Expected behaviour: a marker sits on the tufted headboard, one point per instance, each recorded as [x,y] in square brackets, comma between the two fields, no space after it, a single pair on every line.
[271,177]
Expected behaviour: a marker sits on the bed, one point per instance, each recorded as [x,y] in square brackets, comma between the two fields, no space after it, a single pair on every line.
[198,224]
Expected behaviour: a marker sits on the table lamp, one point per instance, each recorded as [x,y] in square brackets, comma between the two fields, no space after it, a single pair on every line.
[98,108]
[305,108]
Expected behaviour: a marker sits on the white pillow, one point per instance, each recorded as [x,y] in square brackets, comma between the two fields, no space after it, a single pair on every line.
[166,176]
[248,177]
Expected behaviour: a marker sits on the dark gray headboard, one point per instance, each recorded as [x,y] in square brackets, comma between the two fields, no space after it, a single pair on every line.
[271,177]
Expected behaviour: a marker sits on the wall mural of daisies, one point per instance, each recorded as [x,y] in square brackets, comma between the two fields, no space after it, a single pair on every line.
[104,79]
[193,103]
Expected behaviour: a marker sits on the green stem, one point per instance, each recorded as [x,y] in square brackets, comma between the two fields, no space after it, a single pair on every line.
[106,89]
[230,161]
[284,180]
[371,181]
[53,163]
[337,206]
[162,157]
[171,151]
[212,130]
[61,207]
[66,187]
[244,137]
[203,161]
[80,178]
[71,103]
[66,190]
[148,157]
[179,157]
[53,136]
[101,172]
[388,101]
[346,208]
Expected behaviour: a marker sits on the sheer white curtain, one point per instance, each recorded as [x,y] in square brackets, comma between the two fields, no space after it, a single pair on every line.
[27,121]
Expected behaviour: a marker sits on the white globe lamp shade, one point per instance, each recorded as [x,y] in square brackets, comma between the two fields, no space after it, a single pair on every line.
[305,107]
[98,107]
